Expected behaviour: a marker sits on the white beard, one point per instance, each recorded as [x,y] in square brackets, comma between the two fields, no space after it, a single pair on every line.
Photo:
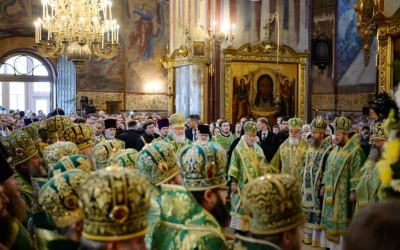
[293,141]
[178,138]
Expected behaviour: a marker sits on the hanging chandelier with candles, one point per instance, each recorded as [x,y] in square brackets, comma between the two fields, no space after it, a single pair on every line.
[79,30]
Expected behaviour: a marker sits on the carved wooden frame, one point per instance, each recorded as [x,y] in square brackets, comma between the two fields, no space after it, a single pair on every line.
[388,28]
[260,53]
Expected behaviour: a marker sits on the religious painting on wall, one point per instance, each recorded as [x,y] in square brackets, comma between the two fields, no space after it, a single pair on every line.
[256,85]
[146,30]
[396,60]
[259,90]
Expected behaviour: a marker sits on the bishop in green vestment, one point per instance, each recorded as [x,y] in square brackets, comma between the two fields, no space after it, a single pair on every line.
[246,164]
[177,137]
[341,177]
[274,204]
[157,162]
[192,215]
[312,175]
[369,182]
[290,156]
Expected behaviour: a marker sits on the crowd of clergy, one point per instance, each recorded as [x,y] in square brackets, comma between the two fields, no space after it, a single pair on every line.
[122,181]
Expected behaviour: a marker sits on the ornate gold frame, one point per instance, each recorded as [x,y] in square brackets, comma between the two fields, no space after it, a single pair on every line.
[388,28]
[266,53]
[184,57]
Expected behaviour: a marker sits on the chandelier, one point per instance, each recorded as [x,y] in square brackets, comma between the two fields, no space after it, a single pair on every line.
[79,30]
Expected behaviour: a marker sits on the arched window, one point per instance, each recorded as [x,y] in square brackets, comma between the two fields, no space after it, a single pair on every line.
[26,82]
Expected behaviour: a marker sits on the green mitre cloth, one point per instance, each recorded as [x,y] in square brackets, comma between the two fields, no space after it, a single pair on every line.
[19,237]
[185,224]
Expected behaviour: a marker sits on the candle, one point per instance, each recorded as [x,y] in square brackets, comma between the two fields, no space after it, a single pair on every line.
[36,32]
[94,26]
[63,25]
[117,33]
[233,29]
[102,38]
[43,2]
[109,5]
[316,113]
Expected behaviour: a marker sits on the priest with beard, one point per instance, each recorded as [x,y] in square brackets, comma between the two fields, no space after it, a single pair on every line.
[27,162]
[246,164]
[290,156]
[312,175]
[110,126]
[193,215]
[177,137]
[369,181]
[13,234]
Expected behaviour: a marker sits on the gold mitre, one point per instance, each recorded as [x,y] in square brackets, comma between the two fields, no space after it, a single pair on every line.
[342,125]
[319,125]
[378,132]
[203,166]
[60,197]
[295,124]
[157,162]
[274,204]
[80,134]
[177,120]
[115,203]
[250,127]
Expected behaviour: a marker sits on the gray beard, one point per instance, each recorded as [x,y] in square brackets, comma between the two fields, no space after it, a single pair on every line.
[294,141]
[374,154]
[179,138]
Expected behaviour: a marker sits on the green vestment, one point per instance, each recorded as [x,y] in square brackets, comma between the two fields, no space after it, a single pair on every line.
[224,141]
[153,216]
[289,159]
[341,176]
[368,185]
[19,238]
[312,175]
[247,243]
[99,139]
[185,224]
[25,189]
[177,146]
[246,164]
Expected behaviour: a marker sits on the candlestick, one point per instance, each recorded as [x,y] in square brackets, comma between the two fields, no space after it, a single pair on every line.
[109,5]
[117,33]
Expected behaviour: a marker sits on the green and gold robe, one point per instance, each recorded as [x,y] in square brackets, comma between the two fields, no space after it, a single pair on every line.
[19,238]
[25,189]
[99,139]
[341,176]
[245,165]
[368,185]
[224,141]
[153,216]
[312,175]
[289,159]
[247,243]
[177,146]
[185,224]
